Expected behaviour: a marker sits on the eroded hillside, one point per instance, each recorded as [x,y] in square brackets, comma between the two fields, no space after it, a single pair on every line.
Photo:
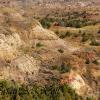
[30,53]
[22,38]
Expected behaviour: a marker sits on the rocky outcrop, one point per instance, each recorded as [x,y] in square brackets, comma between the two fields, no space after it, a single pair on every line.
[21,69]
[9,45]
[76,82]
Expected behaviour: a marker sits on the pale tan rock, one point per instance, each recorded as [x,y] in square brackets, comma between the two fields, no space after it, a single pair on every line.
[9,45]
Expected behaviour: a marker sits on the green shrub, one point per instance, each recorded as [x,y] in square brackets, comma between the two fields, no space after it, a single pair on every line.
[89,98]
[64,68]
[95,62]
[45,23]
[68,34]
[85,37]
[99,31]
[39,44]
[64,34]
[57,33]
[61,50]
[94,43]
[87,62]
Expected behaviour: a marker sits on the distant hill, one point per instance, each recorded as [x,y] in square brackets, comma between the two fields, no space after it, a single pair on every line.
[15,2]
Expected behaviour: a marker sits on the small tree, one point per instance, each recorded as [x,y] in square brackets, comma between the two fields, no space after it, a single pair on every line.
[61,50]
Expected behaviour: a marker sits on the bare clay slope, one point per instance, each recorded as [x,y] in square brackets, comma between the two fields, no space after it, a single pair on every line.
[20,42]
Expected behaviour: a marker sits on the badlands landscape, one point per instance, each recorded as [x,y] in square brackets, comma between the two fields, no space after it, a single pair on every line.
[49,50]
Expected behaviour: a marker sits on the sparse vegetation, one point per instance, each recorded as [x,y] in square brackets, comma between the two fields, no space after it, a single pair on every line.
[87,61]
[85,37]
[44,61]
[65,34]
[94,43]
[63,68]
[95,62]
[99,31]
[89,98]
[24,50]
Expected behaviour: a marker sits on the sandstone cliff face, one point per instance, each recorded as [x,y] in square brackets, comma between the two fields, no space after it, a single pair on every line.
[9,45]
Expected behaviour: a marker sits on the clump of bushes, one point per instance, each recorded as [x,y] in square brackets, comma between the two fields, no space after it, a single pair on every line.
[87,36]
[46,22]
[90,98]
[63,35]
[77,23]
[52,91]
[63,68]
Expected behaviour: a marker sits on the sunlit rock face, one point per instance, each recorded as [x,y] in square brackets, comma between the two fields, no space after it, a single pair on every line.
[76,82]
[9,45]
[26,64]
